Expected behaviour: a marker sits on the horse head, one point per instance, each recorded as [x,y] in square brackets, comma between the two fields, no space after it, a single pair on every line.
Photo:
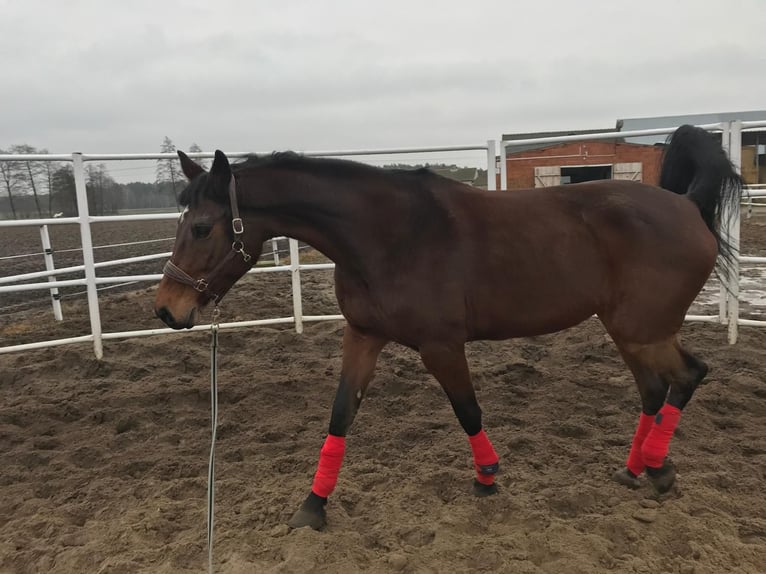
[209,254]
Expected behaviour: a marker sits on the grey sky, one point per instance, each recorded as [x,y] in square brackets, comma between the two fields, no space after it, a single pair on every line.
[108,76]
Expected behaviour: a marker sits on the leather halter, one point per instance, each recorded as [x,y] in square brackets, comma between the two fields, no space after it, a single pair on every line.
[237,247]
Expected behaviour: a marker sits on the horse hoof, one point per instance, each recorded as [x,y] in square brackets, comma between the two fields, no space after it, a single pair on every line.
[662,478]
[311,513]
[302,518]
[626,478]
[482,490]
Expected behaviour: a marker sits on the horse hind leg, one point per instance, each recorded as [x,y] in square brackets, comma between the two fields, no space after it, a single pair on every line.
[667,376]
[653,391]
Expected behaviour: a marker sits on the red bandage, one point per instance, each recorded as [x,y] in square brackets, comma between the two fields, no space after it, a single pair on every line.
[635,462]
[657,442]
[330,461]
[485,458]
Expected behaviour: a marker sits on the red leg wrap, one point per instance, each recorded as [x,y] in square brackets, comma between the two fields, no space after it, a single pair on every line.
[485,458]
[657,442]
[635,462]
[330,460]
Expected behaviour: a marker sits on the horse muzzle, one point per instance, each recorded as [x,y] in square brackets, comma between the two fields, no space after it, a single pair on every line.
[167,317]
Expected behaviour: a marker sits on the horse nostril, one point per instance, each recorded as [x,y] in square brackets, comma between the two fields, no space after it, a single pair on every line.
[164,315]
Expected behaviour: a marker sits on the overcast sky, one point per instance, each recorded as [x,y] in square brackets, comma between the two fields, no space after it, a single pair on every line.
[109,76]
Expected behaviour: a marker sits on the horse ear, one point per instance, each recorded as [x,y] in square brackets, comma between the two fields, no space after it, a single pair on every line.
[188,166]
[220,165]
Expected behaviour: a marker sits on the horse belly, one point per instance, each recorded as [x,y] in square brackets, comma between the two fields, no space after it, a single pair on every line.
[504,321]
[553,295]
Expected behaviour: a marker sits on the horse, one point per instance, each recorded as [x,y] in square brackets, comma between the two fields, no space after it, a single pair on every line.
[431,264]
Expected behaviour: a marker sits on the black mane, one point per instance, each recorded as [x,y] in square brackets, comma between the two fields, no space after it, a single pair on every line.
[330,166]
[412,180]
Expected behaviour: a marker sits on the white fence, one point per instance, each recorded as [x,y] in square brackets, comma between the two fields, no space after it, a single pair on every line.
[729,294]
[92,281]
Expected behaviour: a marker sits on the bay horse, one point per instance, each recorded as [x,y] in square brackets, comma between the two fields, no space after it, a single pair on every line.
[431,264]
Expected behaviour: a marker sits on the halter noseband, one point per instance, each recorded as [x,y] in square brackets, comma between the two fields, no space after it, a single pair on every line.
[237,247]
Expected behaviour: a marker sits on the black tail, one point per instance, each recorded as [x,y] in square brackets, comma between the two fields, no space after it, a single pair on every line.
[694,164]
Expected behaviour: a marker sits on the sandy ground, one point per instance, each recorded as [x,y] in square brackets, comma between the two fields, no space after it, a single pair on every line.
[104,463]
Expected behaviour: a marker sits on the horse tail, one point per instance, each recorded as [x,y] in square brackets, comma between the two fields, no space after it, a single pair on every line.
[695,165]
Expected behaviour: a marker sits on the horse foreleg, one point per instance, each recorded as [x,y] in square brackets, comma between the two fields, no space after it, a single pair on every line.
[360,355]
[448,364]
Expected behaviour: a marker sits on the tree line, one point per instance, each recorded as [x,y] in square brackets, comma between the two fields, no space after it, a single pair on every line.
[38,189]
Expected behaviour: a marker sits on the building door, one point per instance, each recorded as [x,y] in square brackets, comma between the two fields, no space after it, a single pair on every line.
[632,171]
[547,175]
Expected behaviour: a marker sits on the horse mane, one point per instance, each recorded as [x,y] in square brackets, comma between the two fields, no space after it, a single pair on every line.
[329,166]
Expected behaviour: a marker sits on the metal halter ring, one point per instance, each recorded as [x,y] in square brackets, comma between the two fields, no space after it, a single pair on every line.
[239,247]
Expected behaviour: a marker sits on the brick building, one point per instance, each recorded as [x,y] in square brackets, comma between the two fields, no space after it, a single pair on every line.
[575,162]
[636,158]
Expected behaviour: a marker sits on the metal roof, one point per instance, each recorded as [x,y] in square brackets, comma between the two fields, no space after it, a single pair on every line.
[628,124]
[677,120]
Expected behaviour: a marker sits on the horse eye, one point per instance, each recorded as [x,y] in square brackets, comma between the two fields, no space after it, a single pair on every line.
[201,230]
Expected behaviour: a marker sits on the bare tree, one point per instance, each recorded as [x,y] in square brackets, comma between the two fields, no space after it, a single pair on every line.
[8,171]
[63,190]
[168,170]
[103,191]
[32,172]
[194,148]
[50,169]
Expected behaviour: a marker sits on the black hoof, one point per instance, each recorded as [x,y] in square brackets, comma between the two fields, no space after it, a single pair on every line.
[662,478]
[626,478]
[311,513]
[482,490]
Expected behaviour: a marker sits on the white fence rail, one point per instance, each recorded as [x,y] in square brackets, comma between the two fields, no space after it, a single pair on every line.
[729,294]
[92,281]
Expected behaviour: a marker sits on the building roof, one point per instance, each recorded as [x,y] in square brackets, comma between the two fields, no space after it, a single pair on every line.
[694,119]
[626,124]
[554,134]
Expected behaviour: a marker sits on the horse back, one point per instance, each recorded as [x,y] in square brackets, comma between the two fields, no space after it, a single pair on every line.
[538,261]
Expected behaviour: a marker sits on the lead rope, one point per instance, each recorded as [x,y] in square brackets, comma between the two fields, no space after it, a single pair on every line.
[214,417]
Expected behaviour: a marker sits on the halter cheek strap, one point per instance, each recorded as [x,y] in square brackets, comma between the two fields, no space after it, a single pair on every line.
[202,284]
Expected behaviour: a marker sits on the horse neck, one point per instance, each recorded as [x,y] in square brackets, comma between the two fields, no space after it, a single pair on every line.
[335,215]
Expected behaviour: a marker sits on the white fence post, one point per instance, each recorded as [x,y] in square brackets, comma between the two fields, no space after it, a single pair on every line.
[296,274]
[735,154]
[491,165]
[275,250]
[723,299]
[50,266]
[88,260]
[503,166]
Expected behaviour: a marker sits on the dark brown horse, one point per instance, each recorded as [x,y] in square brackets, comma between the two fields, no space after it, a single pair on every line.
[431,264]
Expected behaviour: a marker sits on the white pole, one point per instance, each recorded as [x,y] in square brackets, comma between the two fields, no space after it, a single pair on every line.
[49,266]
[735,154]
[275,250]
[723,299]
[87,253]
[296,274]
[503,167]
[491,165]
